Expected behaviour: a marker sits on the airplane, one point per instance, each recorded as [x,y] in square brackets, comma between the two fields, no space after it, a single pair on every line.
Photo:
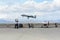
[28,16]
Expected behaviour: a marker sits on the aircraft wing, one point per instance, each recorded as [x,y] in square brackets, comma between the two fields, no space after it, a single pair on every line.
[28,16]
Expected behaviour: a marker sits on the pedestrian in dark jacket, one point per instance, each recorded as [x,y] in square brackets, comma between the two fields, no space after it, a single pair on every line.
[16,25]
[56,25]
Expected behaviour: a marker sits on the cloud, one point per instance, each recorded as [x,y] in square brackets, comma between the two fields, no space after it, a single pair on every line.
[31,7]
[3,16]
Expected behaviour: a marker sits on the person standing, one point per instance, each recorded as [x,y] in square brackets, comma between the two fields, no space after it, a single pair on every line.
[30,25]
[16,25]
[56,25]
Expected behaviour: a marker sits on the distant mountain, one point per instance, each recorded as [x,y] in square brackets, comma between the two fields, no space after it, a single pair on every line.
[25,21]
[4,21]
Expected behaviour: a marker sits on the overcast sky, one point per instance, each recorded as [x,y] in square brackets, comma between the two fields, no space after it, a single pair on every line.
[43,9]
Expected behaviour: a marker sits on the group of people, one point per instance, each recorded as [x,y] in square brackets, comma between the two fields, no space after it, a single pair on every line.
[47,25]
[17,25]
[21,25]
